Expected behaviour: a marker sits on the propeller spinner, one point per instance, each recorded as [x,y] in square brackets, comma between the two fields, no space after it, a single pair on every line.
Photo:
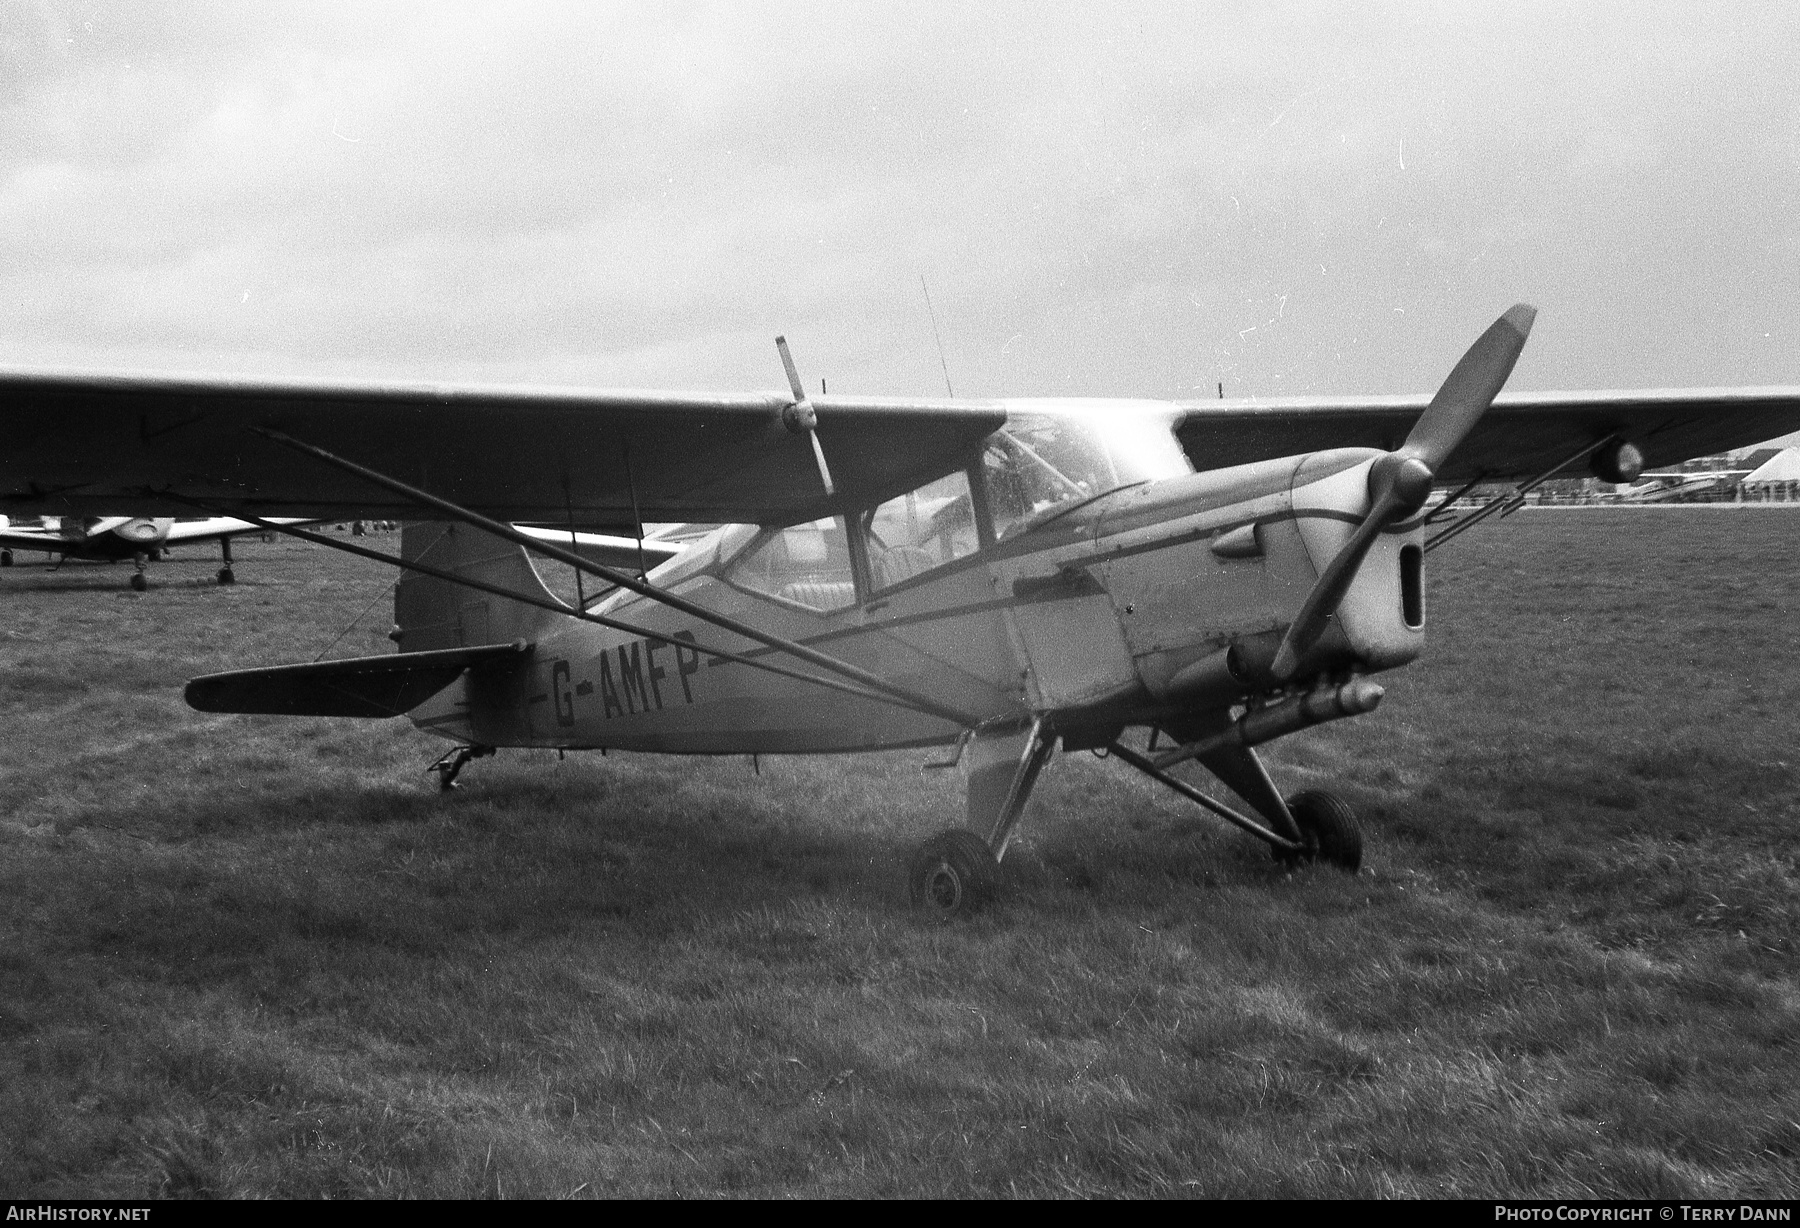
[1401,481]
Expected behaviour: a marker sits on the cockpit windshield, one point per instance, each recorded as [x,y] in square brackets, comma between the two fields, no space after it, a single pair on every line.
[1040,464]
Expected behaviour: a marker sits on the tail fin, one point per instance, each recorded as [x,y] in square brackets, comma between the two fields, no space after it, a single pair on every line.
[433,614]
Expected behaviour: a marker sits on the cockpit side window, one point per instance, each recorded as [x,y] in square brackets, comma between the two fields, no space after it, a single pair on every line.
[1038,464]
[805,563]
[920,530]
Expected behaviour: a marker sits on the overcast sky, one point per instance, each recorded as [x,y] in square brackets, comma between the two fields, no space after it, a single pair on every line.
[1117,199]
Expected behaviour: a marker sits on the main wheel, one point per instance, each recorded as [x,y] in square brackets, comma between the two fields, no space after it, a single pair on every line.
[1328,829]
[227,576]
[953,874]
[139,581]
[5,558]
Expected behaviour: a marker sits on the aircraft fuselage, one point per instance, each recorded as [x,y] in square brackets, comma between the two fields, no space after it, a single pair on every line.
[1117,609]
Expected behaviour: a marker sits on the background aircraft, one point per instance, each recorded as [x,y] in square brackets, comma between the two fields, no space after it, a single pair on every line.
[1005,575]
[139,538]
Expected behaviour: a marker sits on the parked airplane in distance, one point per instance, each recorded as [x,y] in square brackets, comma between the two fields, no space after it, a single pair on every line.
[139,538]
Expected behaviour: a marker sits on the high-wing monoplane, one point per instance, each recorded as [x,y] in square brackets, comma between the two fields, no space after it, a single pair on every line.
[142,539]
[1007,576]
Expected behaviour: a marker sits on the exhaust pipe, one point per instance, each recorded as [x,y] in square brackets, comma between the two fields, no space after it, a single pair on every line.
[1354,698]
[1237,669]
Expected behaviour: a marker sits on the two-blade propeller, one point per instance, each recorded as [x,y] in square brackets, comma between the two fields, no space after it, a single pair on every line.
[801,418]
[1400,482]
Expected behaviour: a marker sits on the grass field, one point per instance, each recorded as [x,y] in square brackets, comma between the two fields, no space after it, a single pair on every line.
[260,956]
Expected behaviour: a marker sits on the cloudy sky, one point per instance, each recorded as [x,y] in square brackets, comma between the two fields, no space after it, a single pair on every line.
[1118,199]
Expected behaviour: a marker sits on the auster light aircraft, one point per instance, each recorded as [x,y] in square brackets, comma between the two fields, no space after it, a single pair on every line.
[108,539]
[1005,576]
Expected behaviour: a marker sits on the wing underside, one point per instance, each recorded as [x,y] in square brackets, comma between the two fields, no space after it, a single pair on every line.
[1522,435]
[143,445]
[151,445]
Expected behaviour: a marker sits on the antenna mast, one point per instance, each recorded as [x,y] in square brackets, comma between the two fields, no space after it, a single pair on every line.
[936,336]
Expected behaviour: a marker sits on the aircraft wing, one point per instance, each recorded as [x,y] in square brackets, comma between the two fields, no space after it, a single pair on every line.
[33,539]
[212,528]
[1522,436]
[84,442]
[141,445]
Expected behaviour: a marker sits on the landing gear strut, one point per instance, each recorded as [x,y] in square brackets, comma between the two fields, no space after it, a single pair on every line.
[453,761]
[226,575]
[139,581]
[1310,826]
[958,870]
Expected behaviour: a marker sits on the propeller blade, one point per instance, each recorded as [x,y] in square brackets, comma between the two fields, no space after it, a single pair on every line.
[1472,386]
[1400,482]
[787,361]
[824,469]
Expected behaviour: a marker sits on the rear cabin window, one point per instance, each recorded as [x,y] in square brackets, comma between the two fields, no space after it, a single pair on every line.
[805,563]
[923,529]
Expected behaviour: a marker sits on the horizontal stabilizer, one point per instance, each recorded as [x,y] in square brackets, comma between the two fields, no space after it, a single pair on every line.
[392,684]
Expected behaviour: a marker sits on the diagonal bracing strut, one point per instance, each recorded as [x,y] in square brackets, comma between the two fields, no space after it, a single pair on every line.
[1148,767]
[625,580]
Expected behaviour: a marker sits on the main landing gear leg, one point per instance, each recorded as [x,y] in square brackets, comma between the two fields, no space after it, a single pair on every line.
[453,761]
[957,871]
[226,575]
[1310,826]
[139,581]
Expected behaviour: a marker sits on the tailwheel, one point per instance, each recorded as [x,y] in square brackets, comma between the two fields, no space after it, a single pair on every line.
[953,874]
[455,760]
[1328,828]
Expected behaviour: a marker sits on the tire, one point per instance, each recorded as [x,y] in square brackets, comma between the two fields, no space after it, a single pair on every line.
[139,582]
[953,874]
[227,576]
[1328,828]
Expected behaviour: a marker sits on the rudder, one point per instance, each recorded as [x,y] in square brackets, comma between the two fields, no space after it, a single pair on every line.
[430,613]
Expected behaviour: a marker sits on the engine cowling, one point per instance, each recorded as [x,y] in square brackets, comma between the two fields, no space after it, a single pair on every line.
[143,531]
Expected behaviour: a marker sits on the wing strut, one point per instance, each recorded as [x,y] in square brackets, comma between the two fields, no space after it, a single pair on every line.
[625,580]
[556,607]
[1512,500]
